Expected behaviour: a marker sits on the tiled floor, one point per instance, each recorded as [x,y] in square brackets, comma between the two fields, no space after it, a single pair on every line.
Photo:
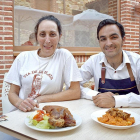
[4,136]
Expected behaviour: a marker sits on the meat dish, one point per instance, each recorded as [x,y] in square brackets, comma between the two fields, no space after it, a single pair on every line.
[59,116]
[115,112]
[114,116]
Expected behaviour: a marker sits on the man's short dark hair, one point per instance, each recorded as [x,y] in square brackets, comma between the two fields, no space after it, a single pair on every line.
[110,22]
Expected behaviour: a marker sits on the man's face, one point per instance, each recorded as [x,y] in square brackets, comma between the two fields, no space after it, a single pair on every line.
[110,41]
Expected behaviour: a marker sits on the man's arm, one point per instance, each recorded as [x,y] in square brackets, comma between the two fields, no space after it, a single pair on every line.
[128,100]
[108,99]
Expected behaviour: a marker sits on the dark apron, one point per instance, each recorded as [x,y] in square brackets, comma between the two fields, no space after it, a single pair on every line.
[120,87]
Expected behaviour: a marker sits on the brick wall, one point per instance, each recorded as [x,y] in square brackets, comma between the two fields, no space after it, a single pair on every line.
[81,58]
[131,22]
[112,8]
[6,40]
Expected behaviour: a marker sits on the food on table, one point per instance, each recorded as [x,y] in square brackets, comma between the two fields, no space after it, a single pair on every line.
[39,118]
[114,116]
[51,117]
[59,116]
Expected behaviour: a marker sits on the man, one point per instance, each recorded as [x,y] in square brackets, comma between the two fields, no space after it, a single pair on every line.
[116,72]
[31,41]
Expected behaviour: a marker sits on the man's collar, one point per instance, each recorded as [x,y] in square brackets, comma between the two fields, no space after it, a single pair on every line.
[125,58]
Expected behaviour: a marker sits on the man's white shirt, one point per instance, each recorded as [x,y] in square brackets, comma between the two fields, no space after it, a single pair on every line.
[92,68]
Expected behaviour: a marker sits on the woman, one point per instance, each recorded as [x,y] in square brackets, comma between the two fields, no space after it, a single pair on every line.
[38,76]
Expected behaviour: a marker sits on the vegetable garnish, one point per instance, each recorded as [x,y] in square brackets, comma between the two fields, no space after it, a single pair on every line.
[39,118]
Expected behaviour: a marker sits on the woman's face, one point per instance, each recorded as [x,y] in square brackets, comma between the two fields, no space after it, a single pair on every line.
[48,38]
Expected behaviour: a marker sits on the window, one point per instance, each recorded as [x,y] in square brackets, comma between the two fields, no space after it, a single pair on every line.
[77,32]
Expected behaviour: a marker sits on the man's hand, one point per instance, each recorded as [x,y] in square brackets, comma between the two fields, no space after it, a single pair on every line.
[105,100]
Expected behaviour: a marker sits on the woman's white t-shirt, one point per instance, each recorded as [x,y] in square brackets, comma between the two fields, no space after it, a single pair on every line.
[37,75]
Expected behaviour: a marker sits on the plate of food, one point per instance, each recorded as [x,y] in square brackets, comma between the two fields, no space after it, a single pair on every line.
[53,119]
[115,118]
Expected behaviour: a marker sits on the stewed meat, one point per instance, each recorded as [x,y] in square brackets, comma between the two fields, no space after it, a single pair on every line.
[115,112]
[60,116]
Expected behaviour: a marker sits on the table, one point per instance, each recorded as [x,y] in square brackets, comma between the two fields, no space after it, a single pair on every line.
[88,130]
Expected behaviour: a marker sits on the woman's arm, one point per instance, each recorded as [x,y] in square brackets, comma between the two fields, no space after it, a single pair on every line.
[24,105]
[71,94]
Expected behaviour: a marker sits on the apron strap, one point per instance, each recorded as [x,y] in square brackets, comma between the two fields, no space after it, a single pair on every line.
[130,72]
[103,71]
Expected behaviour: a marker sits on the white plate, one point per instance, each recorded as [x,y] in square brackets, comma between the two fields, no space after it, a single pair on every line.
[76,117]
[99,113]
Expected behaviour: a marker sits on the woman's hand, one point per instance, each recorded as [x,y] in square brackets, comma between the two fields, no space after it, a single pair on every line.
[27,105]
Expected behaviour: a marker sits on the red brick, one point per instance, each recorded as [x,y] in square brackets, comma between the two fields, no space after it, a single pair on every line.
[127,29]
[8,18]
[8,28]
[1,57]
[129,46]
[124,13]
[8,8]
[3,71]
[130,39]
[126,22]
[1,18]
[136,30]
[0,86]
[131,33]
[1,8]
[6,3]
[6,43]
[0,38]
[127,36]
[1,28]
[1,66]
[1,76]
[8,47]
[135,49]
[127,18]
[6,33]
[126,49]
[6,52]
[8,38]
[110,2]
[6,13]
[137,39]
[1,81]
[8,57]
[6,62]
[6,23]
[8,66]
[134,43]
[133,36]
[1,47]
[127,42]
[80,58]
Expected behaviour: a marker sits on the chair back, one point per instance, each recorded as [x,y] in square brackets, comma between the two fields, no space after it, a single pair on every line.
[6,105]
